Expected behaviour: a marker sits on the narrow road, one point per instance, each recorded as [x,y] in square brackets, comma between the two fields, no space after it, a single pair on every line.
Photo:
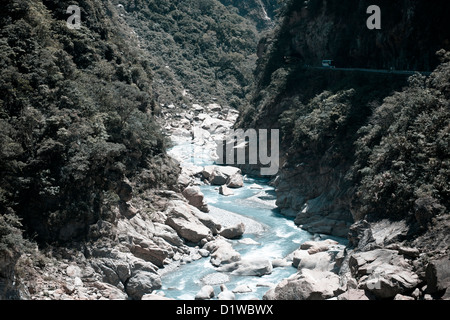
[401,72]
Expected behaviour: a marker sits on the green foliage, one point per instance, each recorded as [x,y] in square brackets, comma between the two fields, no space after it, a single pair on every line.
[201,46]
[76,116]
[403,155]
[328,116]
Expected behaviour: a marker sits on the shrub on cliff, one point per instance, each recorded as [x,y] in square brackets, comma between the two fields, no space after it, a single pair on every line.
[403,154]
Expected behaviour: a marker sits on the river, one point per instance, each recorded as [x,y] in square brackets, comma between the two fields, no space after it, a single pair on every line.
[268,235]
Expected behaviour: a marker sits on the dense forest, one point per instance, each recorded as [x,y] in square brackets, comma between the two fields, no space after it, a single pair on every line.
[77,113]
[203,49]
[81,110]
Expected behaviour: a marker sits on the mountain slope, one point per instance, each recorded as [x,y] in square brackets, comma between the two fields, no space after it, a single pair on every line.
[323,113]
[200,51]
[363,156]
[78,124]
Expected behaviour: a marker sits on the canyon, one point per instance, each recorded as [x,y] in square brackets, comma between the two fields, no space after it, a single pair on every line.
[109,189]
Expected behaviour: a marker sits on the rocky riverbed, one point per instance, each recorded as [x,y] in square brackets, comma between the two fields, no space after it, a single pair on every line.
[157,232]
[380,261]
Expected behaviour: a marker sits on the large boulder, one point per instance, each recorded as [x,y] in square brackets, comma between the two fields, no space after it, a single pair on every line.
[185,223]
[205,293]
[213,125]
[353,295]
[383,272]
[225,191]
[221,175]
[222,252]
[168,234]
[299,255]
[249,267]
[307,285]
[149,251]
[234,232]
[196,198]
[235,181]
[438,275]
[207,220]
[142,283]
[322,261]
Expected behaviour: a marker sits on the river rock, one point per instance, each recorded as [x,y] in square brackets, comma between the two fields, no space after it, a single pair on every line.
[353,295]
[225,294]
[234,232]
[167,233]
[185,223]
[196,198]
[225,191]
[321,261]
[184,180]
[236,181]
[155,297]
[142,283]
[243,288]
[205,293]
[207,220]
[114,271]
[318,246]
[383,272]
[309,285]
[249,267]
[149,251]
[438,275]
[280,263]
[222,252]
[213,124]
[298,255]
[207,172]
[220,175]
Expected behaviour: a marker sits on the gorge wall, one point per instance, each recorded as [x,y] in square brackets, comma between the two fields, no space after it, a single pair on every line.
[325,115]
[363,155]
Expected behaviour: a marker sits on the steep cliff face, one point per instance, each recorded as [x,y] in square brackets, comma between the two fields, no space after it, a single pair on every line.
[262,12]
[320,112]
[363,155]
[411,32]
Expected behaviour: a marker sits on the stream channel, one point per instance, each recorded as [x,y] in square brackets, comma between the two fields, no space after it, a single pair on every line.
[268,235]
